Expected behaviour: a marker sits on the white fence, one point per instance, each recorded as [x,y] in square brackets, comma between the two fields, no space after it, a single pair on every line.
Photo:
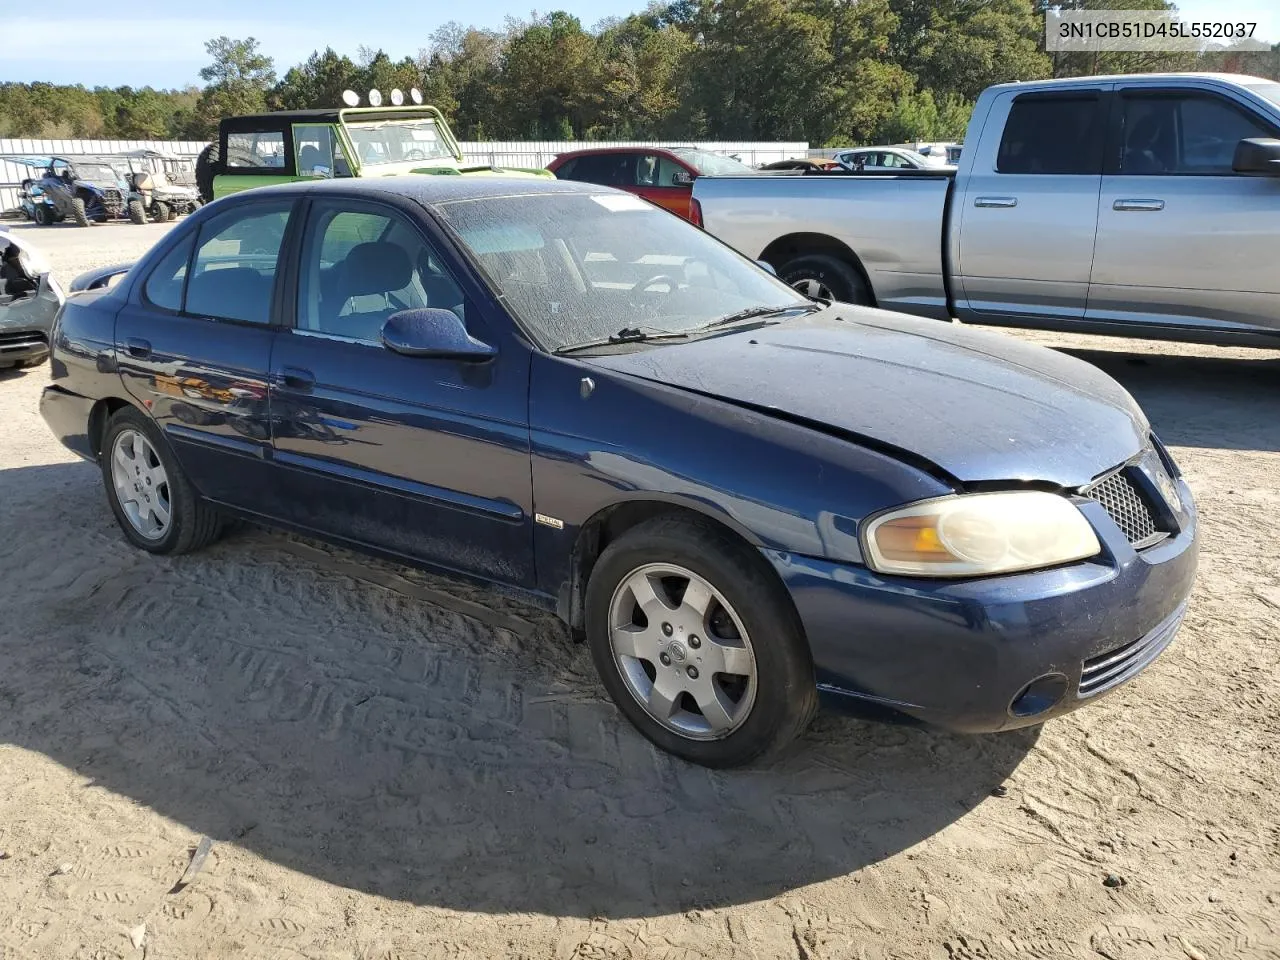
[509,153]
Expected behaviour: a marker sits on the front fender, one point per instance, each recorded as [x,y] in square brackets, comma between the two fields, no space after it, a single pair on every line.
[99,278]
[780,485]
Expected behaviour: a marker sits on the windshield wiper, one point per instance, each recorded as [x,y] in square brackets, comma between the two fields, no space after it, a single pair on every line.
[625,335]
[752,312]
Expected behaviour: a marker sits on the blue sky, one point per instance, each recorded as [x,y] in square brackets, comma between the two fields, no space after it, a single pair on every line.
[137,47]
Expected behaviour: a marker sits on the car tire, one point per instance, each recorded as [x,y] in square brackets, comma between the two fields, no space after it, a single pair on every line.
[192,522]
[137,212]
[766,707]
[823,276]
[160,212]
[78,212]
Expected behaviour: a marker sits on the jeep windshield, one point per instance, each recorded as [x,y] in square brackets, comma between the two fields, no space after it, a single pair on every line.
[397,141]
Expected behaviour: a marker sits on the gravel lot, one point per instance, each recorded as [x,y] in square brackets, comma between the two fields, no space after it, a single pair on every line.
[394,766]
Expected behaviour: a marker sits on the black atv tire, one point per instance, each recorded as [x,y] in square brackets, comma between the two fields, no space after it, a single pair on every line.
[78,212]
[161,212]
[137,212]
[208,166]
[42,216]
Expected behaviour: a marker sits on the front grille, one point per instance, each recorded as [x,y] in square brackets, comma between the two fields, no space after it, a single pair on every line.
[1121,498]
[13,342]
[1114,667]
[113,201]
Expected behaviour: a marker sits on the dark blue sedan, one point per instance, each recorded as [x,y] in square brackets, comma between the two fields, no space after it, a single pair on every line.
[738,497]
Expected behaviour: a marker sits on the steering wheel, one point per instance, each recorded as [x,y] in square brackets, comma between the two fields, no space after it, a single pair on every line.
[656,279]
[415,155]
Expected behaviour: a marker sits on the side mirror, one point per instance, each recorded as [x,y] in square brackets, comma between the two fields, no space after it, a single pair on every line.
[766,265]
[432,332]
[682,178]
[1260,155]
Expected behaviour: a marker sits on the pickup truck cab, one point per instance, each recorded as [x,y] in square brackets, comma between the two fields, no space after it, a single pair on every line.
[1141,205]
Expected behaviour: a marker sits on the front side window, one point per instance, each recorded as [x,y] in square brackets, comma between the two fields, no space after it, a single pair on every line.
[1052,135]
[361,265]
[1182,134]
[318,151]
[234,269]
[578,267]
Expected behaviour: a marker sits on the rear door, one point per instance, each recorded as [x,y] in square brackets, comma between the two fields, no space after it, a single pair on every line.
[1169,179]
[193,346]
[1030,206]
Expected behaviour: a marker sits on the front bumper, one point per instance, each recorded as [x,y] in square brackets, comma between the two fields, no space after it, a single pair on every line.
[25,324]
[958,654]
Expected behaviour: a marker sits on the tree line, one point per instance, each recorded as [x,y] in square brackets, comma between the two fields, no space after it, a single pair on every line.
[832,72]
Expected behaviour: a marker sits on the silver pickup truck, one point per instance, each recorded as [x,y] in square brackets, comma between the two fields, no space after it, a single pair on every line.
[1131,205]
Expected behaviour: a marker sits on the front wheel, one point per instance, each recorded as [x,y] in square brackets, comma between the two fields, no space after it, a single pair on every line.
[137,212]
[698,644]
[154,503]
[160,212]
[821,276]
[78,212]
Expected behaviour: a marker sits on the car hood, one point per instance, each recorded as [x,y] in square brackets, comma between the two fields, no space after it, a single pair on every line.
[978,406]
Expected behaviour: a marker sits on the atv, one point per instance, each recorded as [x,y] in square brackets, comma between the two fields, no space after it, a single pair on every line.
[352,141]
[148,176]
[35,204]
[84,190]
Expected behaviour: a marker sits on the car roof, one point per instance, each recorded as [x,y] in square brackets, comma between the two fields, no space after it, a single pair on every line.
[639,148]
[430,189]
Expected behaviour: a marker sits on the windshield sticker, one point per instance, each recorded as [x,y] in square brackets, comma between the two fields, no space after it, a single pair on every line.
[620,201]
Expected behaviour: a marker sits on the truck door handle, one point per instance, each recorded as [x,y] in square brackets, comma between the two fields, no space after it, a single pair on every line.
[298,379]
[995,201]
[1149,205]
[138,348]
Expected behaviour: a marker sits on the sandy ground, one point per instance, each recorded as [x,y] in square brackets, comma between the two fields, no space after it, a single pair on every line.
[393,766]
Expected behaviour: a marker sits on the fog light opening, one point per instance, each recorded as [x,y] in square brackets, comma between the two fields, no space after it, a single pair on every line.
[1040,695]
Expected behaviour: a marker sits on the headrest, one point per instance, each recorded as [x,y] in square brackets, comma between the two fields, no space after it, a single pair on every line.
[377,267]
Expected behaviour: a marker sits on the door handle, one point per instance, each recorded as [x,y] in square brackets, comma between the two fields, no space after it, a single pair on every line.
[138,348]
[1138,205]
[995,201]
[298,379]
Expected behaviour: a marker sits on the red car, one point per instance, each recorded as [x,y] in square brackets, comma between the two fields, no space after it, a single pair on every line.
[660,175]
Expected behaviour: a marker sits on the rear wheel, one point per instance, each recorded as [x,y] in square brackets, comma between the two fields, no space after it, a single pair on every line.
[207,167]
[137,212]
[42,216]
[160,212]
[821,276]
[154,503]
[697,643]
[78,212]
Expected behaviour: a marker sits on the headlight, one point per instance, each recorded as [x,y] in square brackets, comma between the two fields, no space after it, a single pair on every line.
[979,534]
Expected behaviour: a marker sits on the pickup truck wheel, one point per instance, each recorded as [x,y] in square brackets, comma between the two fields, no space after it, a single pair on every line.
[821,276]
[698,644]
[154,503]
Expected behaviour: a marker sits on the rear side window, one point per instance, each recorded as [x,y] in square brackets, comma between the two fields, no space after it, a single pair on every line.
[606,169]
[565,170]
[250,151]
[233,273]
[164,287]
[1052,135]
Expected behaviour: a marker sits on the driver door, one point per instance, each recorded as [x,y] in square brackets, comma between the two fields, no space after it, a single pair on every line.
[1169,178]
[422,457]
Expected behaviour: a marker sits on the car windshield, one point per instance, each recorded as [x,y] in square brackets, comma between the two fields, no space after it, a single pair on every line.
[95,171]
[397,141]
[710,164]
[576,268]
[1268,91]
